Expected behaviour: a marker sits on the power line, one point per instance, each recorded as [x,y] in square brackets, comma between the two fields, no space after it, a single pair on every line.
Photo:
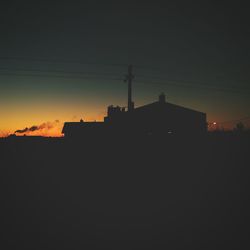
[61,76]
[138,66]
[95,75]
[48,72]
[187,86]
[185,82]
[51,60]
[80,62]
[148,67]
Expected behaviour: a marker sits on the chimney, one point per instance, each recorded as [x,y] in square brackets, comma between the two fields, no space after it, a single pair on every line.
[129,78]
[162,98]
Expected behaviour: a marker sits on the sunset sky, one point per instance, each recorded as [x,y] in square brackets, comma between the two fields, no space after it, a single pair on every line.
[63,62]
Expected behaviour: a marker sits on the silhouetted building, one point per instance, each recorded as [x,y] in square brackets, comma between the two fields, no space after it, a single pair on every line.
[83,129]
[157,118]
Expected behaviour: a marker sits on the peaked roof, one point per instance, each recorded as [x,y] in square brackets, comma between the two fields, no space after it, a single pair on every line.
[77,125]
[167,105]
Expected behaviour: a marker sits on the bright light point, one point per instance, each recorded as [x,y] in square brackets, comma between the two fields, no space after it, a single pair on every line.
[214,123]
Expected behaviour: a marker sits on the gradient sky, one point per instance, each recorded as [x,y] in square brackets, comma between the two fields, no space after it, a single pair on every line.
[66,61]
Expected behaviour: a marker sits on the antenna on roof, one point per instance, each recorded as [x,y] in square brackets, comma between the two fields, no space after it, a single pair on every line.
[129,78]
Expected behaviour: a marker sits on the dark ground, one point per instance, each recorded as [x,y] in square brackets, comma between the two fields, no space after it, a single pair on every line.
[164,193]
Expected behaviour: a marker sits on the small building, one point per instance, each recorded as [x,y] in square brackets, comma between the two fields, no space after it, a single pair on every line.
[83,129]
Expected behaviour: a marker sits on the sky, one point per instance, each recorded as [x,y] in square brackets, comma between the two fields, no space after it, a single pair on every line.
[65,61]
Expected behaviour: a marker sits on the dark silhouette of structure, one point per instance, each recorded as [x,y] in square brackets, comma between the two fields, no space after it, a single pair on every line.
[157,118]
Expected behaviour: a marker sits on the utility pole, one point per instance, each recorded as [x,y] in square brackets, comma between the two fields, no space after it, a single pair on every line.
[129,78]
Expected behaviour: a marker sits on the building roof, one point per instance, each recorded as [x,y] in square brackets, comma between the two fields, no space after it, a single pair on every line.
[166,105]
[79,125]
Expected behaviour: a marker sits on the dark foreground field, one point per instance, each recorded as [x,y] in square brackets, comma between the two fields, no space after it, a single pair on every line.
[154,193]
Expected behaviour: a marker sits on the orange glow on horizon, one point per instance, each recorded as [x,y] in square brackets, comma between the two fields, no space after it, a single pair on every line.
[45,129]
[17,120]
